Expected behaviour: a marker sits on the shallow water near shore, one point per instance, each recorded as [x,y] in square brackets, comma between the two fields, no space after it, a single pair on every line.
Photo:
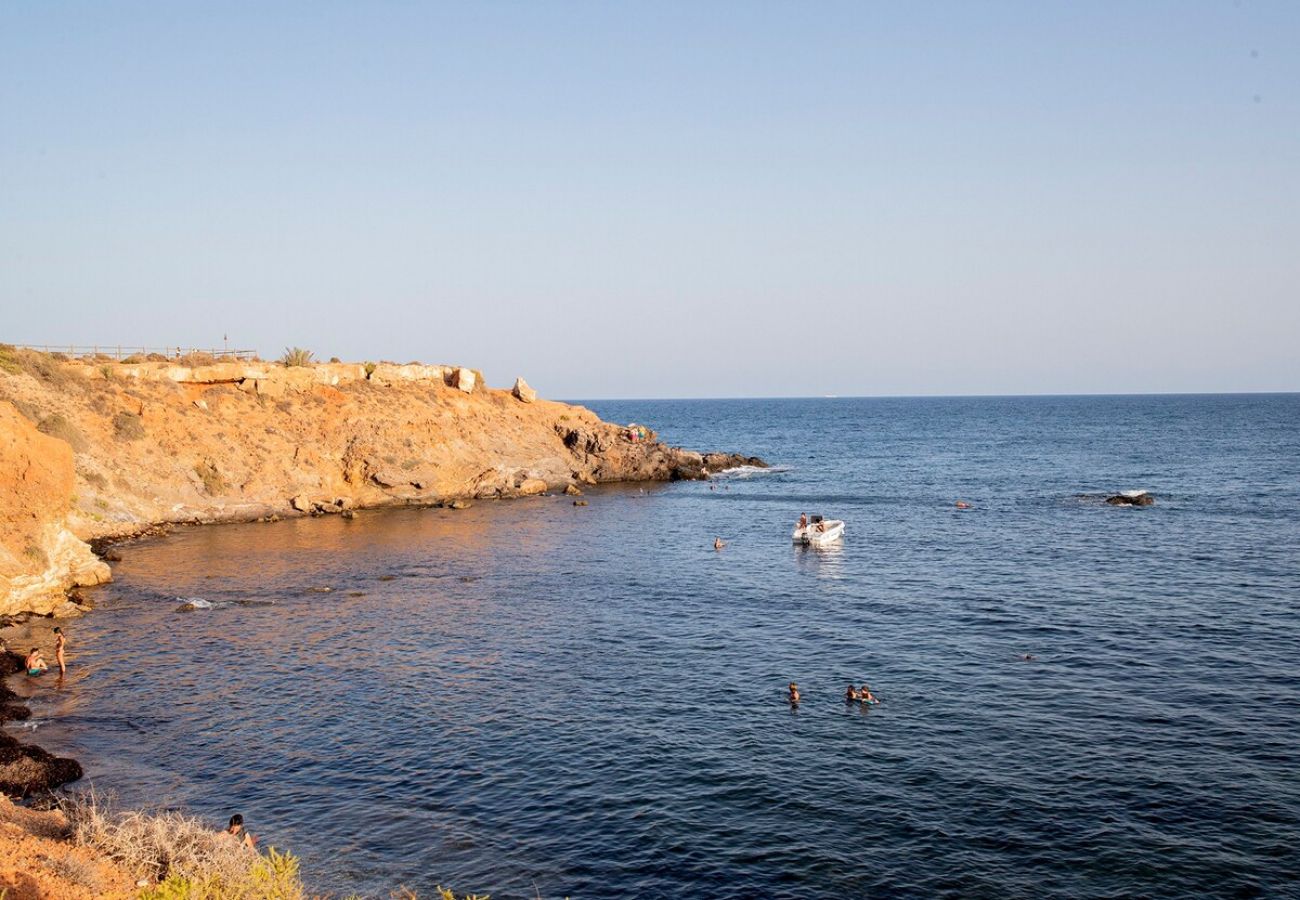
[531,698]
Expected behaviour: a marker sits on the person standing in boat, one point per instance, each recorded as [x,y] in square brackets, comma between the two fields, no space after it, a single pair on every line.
[803,521]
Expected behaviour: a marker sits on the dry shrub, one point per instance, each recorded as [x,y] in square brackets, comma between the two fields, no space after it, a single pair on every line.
[59,427]
[213,483]
[133,360]
[197,359]
[127,426]
[187,858]
[77,871]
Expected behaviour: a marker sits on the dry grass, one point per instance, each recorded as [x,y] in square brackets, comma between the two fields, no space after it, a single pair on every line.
[184,856]
[296,356]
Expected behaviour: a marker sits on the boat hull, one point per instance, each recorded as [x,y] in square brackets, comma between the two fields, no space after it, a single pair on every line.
[810,535]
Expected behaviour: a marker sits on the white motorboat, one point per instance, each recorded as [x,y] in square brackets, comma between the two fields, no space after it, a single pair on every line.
[818,531]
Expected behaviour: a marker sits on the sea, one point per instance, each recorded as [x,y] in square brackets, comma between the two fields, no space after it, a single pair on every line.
[537,699]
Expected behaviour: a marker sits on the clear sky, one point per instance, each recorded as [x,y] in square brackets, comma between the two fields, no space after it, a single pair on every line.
[668,199]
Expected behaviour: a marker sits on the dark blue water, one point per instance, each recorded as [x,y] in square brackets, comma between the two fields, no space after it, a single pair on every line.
[531,698]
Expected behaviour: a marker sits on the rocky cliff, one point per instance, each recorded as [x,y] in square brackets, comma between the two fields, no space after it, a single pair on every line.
[93,450]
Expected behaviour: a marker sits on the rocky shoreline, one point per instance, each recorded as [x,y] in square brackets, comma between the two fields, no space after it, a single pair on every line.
[94,454]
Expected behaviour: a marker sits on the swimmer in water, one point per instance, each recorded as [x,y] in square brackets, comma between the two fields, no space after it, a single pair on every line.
[962,504]
[236,830]
[851,694]
[60,644]
[1029,657]
[866,696]
[793,695]
[35,663]
[718,543]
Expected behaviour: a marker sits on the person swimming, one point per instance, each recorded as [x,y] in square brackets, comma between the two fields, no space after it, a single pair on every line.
[962,504]
[35,663]
[718,543]
[793,694]
[851,694]
[865,694]
[236,830]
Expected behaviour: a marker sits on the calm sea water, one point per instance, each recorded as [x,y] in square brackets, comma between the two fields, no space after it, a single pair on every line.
[530,698]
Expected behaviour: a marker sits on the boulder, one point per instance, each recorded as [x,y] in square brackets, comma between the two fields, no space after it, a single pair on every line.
[464,379]
[573,490]
[301,503]
[267,387]
[523,393]
[530,486]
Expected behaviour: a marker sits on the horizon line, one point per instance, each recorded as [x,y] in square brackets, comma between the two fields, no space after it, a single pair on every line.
[949,396]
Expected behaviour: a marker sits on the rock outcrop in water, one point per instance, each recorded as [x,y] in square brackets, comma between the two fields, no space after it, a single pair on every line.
[90,451]
[1134,498]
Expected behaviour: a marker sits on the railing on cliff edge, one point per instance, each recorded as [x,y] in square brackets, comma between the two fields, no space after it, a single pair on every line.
[120,352]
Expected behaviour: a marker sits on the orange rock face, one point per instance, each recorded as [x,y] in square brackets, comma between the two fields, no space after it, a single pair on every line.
[133,446]
[40,557]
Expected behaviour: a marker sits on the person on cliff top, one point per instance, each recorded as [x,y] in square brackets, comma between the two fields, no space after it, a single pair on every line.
[35,663]
[60,645]
[236,830]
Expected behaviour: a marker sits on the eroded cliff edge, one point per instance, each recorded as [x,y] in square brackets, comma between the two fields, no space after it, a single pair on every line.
[100,449]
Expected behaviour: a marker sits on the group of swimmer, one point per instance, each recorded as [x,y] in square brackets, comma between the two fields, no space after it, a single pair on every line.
[851,694]
[35,661]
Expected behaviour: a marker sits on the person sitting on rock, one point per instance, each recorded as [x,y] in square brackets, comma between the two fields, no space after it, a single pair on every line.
[35,663]
[236,830]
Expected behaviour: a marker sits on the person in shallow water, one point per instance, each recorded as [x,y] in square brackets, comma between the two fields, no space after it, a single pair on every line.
[35,663]
[851,694]
[236,830]
[865,694]
[793,694]
[60,644]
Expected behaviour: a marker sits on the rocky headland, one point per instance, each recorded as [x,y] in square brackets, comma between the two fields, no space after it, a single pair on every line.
[93,451]
[96,450]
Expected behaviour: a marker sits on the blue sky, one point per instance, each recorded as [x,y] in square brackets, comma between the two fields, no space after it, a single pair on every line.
[668,199]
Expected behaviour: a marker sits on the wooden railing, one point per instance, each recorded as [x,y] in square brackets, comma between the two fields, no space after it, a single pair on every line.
[120,351]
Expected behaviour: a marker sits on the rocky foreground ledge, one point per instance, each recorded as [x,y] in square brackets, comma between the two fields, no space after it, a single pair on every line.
[91,451]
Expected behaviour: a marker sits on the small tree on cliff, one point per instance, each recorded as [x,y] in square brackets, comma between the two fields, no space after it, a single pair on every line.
[296,356]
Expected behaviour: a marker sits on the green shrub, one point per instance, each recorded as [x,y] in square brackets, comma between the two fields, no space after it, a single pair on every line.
[127,426]
[370,369]
[9,359]
[296,356]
